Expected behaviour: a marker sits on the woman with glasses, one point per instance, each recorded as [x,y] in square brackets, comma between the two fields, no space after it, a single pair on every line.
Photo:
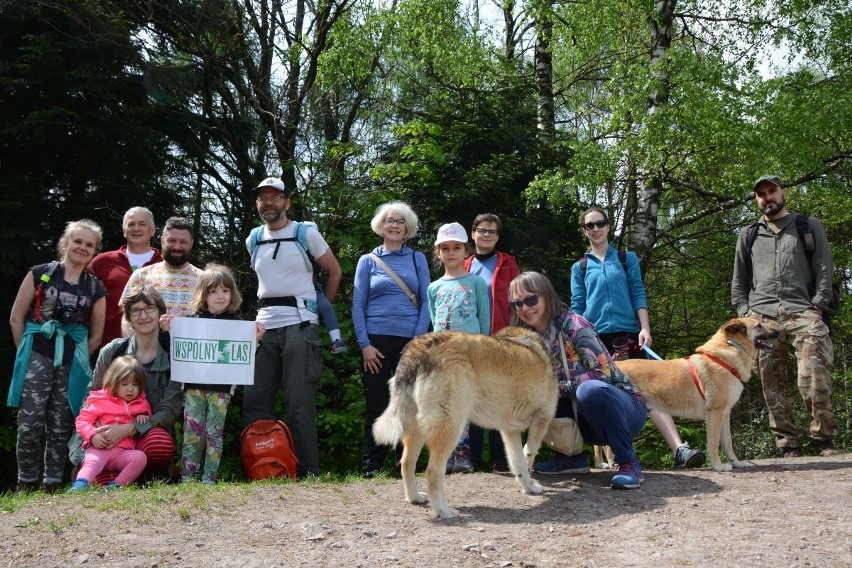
[389,308]
[607,290]
[142,308]
[609,409]
[497,269]
[57,320]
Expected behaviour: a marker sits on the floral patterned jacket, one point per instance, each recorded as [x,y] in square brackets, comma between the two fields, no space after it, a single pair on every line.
[587,357]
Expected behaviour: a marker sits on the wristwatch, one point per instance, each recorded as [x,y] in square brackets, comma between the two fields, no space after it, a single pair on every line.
[133,431]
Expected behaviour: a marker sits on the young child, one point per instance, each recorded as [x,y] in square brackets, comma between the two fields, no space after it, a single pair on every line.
[458,301]
[205,406]
[121,401]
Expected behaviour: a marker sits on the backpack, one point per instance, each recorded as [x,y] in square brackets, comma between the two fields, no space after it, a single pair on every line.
[300,238]
[806,235]
[266,450]
[51,270]
[622,256]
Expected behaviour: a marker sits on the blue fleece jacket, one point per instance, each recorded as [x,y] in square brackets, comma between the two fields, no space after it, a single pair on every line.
[379,306]
[609,297]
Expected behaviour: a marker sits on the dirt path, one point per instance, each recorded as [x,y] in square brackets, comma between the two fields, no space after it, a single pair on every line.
[780,513]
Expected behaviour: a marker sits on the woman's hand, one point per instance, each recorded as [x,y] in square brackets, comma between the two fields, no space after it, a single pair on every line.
[372,359]
[98,441]
[113,433]
[645,337]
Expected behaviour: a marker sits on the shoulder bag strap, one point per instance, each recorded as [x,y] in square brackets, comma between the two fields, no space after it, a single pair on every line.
[396,278]
[565,368]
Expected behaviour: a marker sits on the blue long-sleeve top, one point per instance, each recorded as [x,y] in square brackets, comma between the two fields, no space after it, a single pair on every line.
[609,297]
[379,306]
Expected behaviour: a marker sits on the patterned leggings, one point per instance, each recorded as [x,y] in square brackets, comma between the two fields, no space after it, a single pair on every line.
[203,433]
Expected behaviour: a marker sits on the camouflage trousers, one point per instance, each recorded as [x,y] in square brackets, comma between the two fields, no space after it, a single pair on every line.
[808,335]
[43,415]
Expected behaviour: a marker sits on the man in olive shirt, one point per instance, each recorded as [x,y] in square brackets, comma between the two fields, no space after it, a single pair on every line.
[778,294]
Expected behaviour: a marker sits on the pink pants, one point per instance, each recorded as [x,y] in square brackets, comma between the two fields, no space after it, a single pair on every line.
[158,446]
[129,464]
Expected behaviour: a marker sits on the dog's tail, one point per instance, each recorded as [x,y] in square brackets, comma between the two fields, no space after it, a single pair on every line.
[402,409]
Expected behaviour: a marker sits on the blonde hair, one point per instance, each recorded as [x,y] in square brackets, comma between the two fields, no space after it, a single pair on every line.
[82,224]
[215,275]
[401,207]
[122,368]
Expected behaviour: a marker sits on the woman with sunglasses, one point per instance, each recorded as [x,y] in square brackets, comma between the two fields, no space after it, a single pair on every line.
[609,409]
[607,290]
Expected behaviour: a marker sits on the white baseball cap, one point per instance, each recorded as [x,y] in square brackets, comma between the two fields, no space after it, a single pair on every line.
[451,232]
[274,183]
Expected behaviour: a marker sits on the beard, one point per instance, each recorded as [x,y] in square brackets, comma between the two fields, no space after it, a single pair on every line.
[272,215]
[175,258]
[770,209]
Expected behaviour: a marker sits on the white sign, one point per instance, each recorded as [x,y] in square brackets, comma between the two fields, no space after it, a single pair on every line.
[213,351]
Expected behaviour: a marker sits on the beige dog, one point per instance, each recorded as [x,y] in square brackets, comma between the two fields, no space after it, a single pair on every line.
[707,384]
[504,382]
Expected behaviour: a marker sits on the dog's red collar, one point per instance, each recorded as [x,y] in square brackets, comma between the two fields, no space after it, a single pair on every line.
[716,360]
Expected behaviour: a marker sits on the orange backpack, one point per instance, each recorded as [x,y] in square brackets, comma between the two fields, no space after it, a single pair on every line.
[266,450]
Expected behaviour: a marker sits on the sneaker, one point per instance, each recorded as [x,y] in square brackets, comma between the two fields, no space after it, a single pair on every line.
[338,347]
[629,475]
[459,464]
[686,458]
[826,448]
[51,488]
[792,452]
[78,485]
[561,464]
[112,486]
[371,473]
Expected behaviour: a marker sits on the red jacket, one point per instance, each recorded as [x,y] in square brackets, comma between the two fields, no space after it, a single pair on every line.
[102,408]
[504,272]
[113,269]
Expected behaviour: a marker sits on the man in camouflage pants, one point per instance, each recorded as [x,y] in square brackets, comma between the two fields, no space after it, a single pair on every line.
[771,283]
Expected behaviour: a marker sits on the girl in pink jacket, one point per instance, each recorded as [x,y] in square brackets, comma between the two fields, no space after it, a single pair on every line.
[121,401]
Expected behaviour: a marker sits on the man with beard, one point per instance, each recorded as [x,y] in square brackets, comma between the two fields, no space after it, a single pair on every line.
[114,267]
[174,278]
[778,282]
[289,355]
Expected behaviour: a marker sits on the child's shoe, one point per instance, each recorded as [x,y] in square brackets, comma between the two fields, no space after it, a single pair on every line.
[112,486]
[338,347]
[78,485]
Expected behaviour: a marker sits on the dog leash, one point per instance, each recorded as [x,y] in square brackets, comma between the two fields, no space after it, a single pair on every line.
[651,353]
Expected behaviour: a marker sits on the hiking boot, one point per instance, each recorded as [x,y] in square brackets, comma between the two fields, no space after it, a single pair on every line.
[561,464]
[499,466]
[459,464]
[826,448]
[629,475]
[792,452]
[26,486]
[51,488]
[338,347]
[371,473]
[686,458]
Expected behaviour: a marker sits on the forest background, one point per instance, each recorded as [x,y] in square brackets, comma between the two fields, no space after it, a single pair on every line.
[663,112]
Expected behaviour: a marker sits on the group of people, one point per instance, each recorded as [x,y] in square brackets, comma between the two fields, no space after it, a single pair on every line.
[119,304]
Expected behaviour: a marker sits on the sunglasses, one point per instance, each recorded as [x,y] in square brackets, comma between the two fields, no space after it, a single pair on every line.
[599,224]
[530,301]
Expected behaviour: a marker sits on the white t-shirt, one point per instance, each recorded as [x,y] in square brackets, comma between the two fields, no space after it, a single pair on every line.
[138,260]
[286,275]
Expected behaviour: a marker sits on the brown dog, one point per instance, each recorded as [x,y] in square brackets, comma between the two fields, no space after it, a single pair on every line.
[707,384]
[503,382]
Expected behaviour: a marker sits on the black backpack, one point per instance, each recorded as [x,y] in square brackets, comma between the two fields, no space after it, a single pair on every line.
[807,237]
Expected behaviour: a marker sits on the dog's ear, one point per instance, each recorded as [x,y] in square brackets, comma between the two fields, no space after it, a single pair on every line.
[735,327]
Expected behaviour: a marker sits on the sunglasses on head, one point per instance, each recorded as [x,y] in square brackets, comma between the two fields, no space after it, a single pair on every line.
[599,224]
[530,301]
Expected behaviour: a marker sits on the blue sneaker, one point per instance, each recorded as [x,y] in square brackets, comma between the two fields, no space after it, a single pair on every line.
[112,486]
[78,485]
[629,475]
[561,464]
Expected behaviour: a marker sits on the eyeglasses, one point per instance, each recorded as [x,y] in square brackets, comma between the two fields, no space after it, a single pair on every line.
[599,224]
[150,310]
[400,222]
[486,232]
[273,199]
[529,301]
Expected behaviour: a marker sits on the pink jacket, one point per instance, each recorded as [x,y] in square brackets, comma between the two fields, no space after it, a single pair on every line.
[102,408]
